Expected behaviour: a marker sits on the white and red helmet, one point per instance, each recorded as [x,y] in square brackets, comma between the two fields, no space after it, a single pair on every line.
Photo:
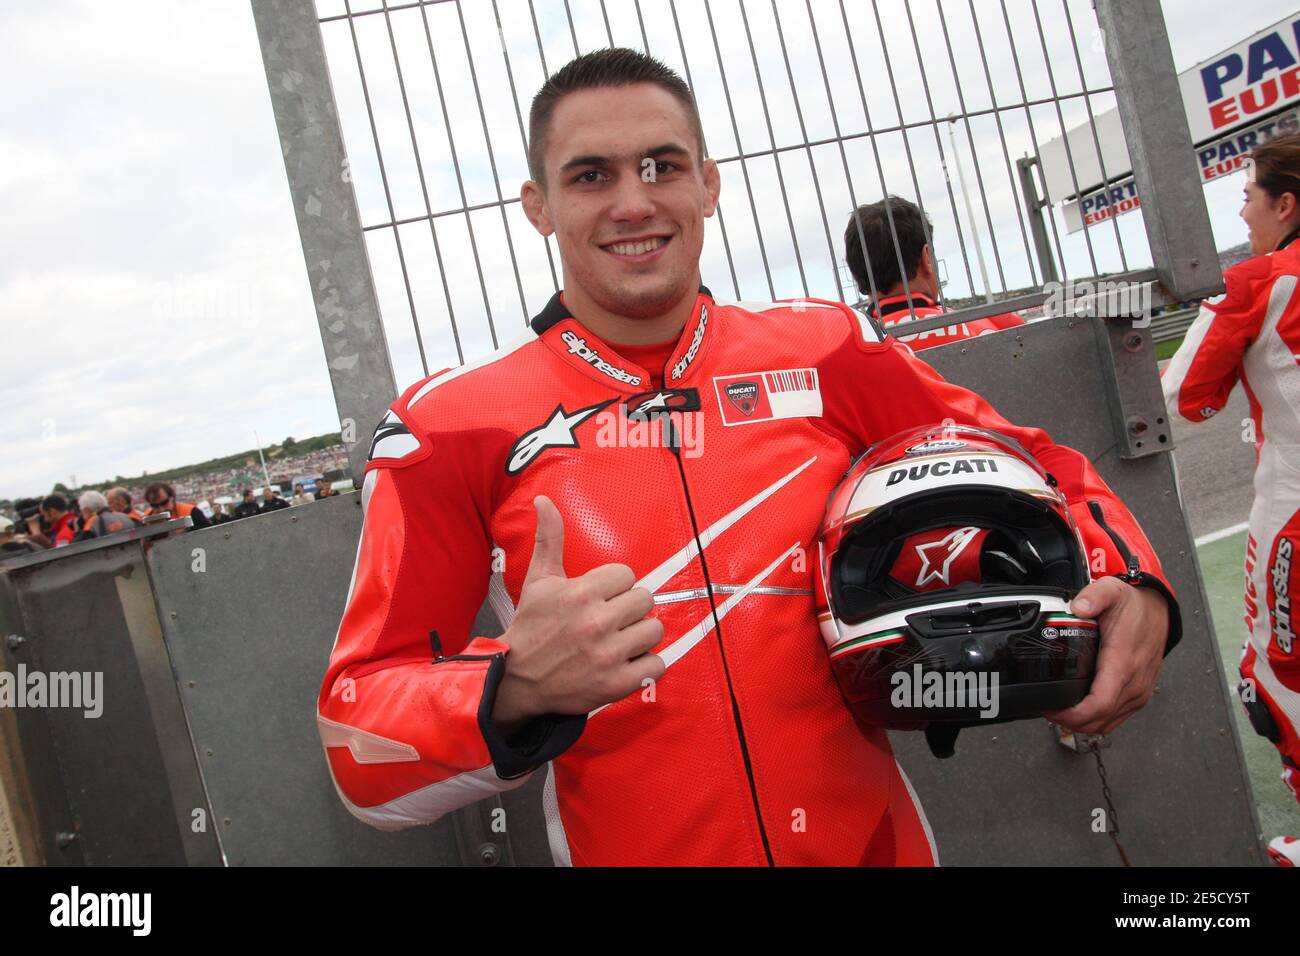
[948,553]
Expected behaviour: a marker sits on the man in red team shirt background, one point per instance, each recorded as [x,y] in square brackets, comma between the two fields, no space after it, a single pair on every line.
[870,224]
[682,711]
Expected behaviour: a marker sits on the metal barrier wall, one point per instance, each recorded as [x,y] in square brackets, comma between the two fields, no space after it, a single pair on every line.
[250,610]
[121,787]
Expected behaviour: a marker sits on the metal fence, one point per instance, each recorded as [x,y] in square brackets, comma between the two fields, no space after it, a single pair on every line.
[810,109]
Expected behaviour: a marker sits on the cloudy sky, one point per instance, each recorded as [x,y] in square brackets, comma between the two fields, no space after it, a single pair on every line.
[152,286]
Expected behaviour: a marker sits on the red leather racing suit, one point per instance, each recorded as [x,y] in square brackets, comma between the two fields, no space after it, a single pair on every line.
[893,309]
[744,751]
[1251,333]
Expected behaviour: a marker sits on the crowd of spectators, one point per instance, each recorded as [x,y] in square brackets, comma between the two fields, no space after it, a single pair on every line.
[58,519]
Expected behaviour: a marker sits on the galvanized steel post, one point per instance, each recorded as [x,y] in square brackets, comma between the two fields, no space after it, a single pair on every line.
[1160,146]
[1034,211]
[329,224]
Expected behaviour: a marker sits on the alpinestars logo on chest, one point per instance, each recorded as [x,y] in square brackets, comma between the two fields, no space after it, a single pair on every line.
[557,432]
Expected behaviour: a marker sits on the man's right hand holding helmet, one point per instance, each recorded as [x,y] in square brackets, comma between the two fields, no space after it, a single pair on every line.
[576,644]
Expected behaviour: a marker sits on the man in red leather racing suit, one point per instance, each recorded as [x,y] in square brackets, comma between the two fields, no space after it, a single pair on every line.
[635,493]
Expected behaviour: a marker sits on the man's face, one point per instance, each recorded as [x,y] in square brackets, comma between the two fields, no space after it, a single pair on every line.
[625,198]
[268,494]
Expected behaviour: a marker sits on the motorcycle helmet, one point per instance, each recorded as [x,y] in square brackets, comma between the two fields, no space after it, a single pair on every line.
[946,564]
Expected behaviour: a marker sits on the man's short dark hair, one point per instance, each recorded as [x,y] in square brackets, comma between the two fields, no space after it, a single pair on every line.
[913,228]
[158,486]
[55,502]
[614,66]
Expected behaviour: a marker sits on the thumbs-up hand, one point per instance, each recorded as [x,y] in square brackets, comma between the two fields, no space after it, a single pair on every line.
[575,643]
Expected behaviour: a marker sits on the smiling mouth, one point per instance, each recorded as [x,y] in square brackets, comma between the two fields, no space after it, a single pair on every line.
[633,249]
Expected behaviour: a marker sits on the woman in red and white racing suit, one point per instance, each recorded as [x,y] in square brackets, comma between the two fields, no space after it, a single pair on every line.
[1251,333]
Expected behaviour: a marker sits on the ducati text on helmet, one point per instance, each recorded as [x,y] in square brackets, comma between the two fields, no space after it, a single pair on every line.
[947,561]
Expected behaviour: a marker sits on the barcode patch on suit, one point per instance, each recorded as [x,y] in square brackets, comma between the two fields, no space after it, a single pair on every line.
[768,395]
[794,380]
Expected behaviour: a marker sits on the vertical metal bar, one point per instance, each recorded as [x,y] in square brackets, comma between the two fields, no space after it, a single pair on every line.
[383,178]
[329,223]
[880,174]
[519,118]
[1173,201]
[722,222]
[812,166]
[605,14]
[492,162]
[645,40]
[546,72]
[907,145]
[938,145]
[541,53]
[776,158]
[1092,126]
[1033,138]
[1006,154]
[424,190]
[1065,139]
[460,180]
[573,33]
[872,288]
[1034,205]
[979,178]
[744,168]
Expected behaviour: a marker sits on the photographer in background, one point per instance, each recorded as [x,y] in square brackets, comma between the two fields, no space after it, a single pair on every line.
[57,525]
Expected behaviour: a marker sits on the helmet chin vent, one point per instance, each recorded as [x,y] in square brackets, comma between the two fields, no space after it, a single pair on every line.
[974,618]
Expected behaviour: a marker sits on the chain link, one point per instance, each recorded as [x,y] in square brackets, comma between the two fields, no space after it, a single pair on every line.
[1112,815]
